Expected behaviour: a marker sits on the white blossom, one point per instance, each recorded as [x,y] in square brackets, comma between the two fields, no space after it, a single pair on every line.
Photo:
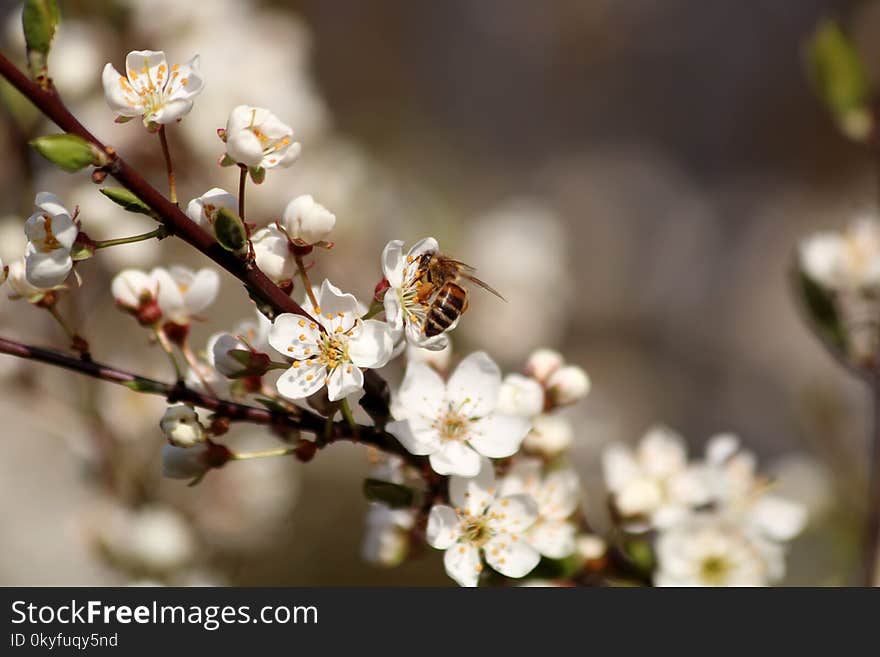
[183,293]
[386,541]
[520,395]
[257,138]
[541,363]
[550,435]
[557,495]
[306,221]
[150,90]
[19,284]
[204,209]
[272,253]
[181,426]
[590,547]
[455,422]
[133,289]
[480,525]
[438,359]
[706,550]
[51,233]
[334,357]
[568,384]
[403,310]
[849,260]
[654,483]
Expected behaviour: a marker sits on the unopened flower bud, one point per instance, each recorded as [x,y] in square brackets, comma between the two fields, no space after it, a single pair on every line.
[568,384]
[590,547]
[19,283]
[135,292]
[542,363]
[272,254]
[306,221]
[181,426]
[520,395]
[550,435]
[234,359]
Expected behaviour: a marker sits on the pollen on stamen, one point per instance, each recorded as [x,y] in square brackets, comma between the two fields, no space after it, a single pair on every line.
[302,322]
[318,309]
[309,377]
[290,349]
[312,325]
[302,337]
[296,365]
[479,568]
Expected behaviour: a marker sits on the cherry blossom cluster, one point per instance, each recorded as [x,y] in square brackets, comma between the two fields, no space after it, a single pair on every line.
[712,522]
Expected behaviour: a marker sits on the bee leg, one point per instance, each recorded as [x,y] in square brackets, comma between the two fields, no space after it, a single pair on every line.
[424,291]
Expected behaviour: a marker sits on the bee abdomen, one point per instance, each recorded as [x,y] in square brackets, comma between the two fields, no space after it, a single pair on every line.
[448,306]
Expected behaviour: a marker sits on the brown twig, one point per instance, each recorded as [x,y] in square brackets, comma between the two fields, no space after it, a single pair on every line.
[261,288]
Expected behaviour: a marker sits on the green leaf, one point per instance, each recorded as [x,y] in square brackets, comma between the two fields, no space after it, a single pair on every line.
[394,495]
[822,311]
[70,152]
[841,80]
[258,175]
[230,230]
[39,18]
[145,385]
[127,200]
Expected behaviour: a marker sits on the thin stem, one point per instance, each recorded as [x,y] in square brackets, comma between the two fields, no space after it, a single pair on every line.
[195,366]
[77,342]
[159,233]
[282,451]
[304,275]
[168,349]
[242,184]
[376,307]
[872,530]
[349,417]
[169,167]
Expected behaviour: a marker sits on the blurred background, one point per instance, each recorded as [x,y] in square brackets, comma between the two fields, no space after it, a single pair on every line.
[633,176]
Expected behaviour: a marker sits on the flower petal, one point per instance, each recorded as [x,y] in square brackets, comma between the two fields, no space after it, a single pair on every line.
[498,436]
[474,494]
[47,270]
[344,381]
[511,558]
[302,379]
[392,264]
[147,69]
[422,393]
[475,384]
[553,538]
[417,439]
[462,563]
[168,295]
[294,336]
[455,458]
[515,514]
[442,528]
[186,81]
[202,291]
[243,146]
[119,94]
[338,309]
[778,518]
[372,346]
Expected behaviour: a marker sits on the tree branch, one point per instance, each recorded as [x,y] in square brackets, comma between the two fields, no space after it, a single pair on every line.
[303,421]
[177,223]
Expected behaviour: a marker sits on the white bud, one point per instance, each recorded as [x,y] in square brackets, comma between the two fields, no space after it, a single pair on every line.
[272,253]
[18,281]
[219,346]
[184,463]
[520,395]
[542,363]
[181,426]
[568,384]
[550,435]
[439,360]
[306,221]
[257,138]
[590,547]
[132,288]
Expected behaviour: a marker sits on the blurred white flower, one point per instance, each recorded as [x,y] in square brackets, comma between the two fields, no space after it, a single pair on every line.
[550,435]
[481,525]
[306,222]
[183,293]
[654,483]
[51,232]
[439,360]
[149,89]
[557,495]
[18,282]
[272,253]
[332,358]
[136,291]
[707,551]
[455,422]
[258,139]
[520,395]
[590,547]
[541,363]
[568,385]
[181,426]
[386,540]
[203,210]
[844,261]
[75,55]
[185,462]
[403,309]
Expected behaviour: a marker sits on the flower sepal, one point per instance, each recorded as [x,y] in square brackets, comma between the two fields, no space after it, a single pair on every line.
[396,496]
[83,248]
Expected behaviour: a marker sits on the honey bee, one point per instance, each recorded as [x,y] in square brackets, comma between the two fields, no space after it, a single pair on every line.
[439,290]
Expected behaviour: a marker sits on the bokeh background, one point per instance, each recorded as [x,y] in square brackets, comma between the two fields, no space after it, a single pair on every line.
[633,176]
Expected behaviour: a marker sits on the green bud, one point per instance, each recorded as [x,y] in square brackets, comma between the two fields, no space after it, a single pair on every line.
[147,386]
[230,230]
[394,495]
[841,80]
[39,18]
[127,200]
[70,152]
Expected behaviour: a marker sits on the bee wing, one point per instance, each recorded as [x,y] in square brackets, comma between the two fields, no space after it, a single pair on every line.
[484,285]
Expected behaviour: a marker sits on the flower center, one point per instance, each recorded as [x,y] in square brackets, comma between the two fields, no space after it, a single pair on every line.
[452,425]
[49,242]
[334,350]
[714,570]
[476,530]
